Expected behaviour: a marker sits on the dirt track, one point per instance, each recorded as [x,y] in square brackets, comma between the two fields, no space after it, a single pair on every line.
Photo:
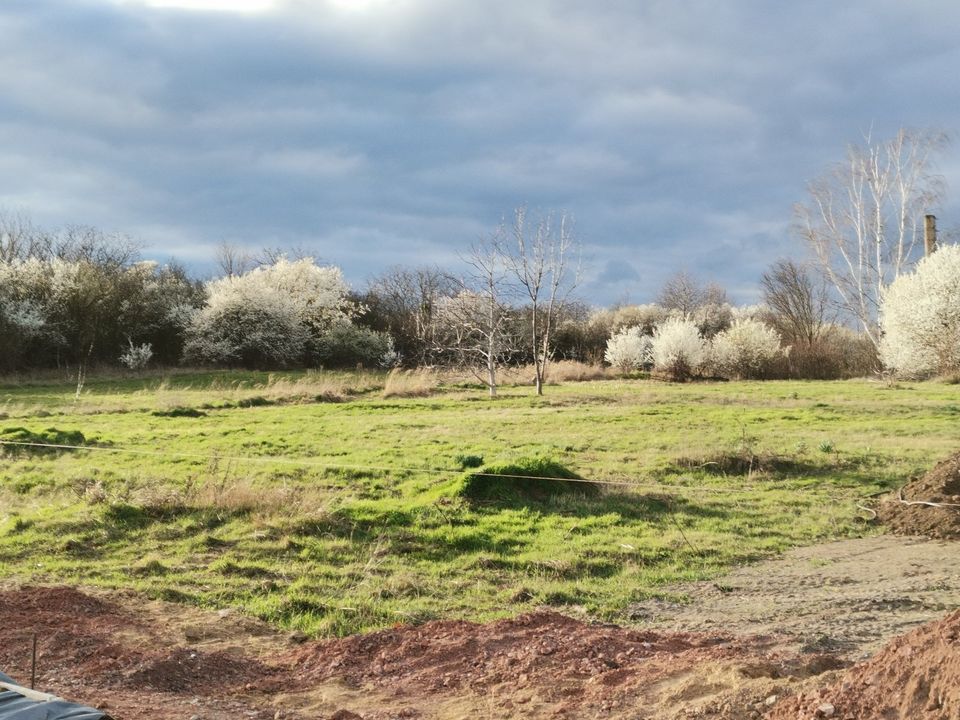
[849,596]
[760,634]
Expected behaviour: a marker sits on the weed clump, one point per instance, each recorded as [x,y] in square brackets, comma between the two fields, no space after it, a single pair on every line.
[468,461]
[524,480]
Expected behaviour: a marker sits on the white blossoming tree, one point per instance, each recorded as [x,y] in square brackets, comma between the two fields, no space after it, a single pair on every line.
[678,349]
[629,349]
[920,318]
[270,316]
[746,349]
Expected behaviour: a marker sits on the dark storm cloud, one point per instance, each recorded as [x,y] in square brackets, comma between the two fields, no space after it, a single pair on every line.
[677,134]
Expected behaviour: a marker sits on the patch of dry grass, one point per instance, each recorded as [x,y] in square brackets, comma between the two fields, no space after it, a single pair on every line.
[411,383]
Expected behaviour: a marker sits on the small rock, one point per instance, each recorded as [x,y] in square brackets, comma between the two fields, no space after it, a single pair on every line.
[825,710]
[345,715]
[770,700]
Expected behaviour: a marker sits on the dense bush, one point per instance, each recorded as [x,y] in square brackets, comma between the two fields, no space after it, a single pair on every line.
[246,324]
[678,349]
[56,312]
[920,318]
[629,349]
[747,349]
[347,345]
[272,316]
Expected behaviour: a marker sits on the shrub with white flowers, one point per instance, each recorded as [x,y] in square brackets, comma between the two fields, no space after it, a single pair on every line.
[629,349]
[136,357]
[747,349]
[273,316]
[678,348]
[920,318]
[246,323]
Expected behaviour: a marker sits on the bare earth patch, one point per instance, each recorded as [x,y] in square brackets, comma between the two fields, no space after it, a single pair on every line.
[773,637]
[849,596]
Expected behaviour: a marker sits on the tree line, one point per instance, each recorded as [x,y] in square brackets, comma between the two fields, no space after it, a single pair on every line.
[80,297]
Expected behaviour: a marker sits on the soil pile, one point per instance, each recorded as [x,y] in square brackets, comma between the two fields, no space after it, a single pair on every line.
[544,664]
[456,653]
[942,486]
[917,675]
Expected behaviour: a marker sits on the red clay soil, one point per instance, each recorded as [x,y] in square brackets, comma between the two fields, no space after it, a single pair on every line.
[96,652]
[146,659]
[917,675]
[940,485]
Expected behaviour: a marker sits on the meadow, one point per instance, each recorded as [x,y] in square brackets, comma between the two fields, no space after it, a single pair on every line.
[339,502]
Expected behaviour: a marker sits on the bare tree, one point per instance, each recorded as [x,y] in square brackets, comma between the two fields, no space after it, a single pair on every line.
[799,303]
[539,259]
[863,218]
[272,254]
[20,240]
[478,319]
[684,293]
[403,301]
[233,260]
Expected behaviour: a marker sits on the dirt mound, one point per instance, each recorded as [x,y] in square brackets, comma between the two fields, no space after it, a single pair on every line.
[59,601]
[941,485]
[549,665]
[452,653]
[186,669]
[917,675]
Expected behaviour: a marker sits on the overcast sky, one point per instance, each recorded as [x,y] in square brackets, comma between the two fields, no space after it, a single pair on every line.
[380,132]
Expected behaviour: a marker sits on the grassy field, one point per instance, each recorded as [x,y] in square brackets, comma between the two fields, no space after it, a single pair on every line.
[316,502]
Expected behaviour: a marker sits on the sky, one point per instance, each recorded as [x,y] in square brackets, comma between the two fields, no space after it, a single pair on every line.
[371,133]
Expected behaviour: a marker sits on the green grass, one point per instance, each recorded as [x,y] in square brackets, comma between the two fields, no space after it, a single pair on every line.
[311,501]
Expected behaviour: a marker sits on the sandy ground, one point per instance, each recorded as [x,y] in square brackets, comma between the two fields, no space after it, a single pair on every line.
[741,647]
[849,596]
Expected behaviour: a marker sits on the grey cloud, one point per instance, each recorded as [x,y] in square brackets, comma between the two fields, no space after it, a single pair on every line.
[678,134]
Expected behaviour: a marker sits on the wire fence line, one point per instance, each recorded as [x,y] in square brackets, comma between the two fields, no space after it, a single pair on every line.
[448,472]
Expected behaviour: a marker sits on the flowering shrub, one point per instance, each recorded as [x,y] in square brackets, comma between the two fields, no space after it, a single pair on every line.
[271,316]
[248,324]
[678,348]
[136,357]
[920,317]
[629,349]
[747,349]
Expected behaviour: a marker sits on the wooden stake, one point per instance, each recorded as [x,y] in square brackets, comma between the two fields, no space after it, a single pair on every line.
[929,234]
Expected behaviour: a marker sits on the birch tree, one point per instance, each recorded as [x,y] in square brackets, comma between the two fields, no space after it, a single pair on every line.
[863,219]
